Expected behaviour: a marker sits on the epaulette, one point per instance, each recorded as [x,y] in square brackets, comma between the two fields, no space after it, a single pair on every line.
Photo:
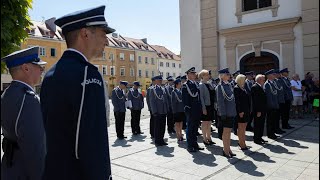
[29,92]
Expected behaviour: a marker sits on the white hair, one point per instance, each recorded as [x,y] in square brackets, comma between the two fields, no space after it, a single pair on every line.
[259,76]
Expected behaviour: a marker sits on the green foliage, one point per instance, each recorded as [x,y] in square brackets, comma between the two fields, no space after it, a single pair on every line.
[14,20]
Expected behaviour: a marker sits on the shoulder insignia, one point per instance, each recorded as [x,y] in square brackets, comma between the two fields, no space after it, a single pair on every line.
[29,92]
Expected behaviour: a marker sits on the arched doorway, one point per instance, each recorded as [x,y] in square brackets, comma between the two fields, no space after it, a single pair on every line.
[259,64]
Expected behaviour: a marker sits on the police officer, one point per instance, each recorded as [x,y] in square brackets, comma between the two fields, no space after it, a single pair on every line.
[73,101]
[226,110]
[24,143]
[192,109]
[234,76]
[159,110]
[248,85]
[177,108]
[288,98]
[183,80]
[136,99]
[119,107]
[168,89]
[272,103]
[281,100]
[149,91]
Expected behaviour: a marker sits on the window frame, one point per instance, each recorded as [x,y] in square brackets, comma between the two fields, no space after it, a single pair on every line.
[112,69]
[132,57]
[104,67]
[121,56]
[40,51]
[124,71]
[55,52]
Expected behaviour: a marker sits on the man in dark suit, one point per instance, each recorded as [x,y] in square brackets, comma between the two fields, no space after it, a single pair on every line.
[259,105]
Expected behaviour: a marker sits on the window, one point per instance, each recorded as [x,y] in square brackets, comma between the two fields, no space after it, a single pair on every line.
[161,64]
[111,57]
[147,74]
[131,57]
[152,73]
[122,72]
[174,74]
[42,51]
[167,64]
[104,70]
[121,56]
[179,65]
[139,59]
[146,60]
[174,65]
[103,55]
[112,71]
[131,72]
[168,74]
[140,73]
[255,4]
[152,61]
[53,52]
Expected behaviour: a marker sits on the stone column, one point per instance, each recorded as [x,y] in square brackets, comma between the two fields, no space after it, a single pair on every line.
[288,56]
[231,57]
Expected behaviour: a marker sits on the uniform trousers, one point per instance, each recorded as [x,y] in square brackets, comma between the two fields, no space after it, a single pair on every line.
[258,127]
[271,117]
[135,121]
[193,124]
[120,119]
[151,125]
[277,120]
[170,122]
[285,110]
[159,128]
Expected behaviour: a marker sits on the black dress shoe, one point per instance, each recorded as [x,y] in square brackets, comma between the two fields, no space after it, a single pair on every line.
[140,132]
[211,142]
[159,144]
[273,137]
[199,134]
[207,143]
[279,131]
[243,148]
[226,155]
[122,137]
[191,149]
[290,127]
[200,148]
[164,143]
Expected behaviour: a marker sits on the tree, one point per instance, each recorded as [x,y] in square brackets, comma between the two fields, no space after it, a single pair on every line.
[14,22]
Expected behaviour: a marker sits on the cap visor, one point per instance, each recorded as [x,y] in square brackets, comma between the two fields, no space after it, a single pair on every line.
[39,63]
[108,29]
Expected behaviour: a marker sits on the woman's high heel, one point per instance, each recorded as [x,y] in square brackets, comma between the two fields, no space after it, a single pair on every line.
[226,155]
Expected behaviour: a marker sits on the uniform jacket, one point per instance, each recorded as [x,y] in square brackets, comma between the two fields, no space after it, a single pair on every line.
[118,100]
[75,115]
[259,98]
[168,91]
[136,98]
[279,87]
[242,99]
[191,97]
[148,97]
[248,85]
[204,96]
[158,100]
[272,95]
[26,129]
[176,101]
[286,88]
[225,100]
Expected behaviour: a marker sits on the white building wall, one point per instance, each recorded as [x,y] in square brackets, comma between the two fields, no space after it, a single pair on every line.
[298,50]
[190,34]
[170,69]
[222,52]
[227,18]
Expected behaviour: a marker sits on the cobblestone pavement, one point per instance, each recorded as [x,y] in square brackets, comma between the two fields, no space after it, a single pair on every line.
[293,156]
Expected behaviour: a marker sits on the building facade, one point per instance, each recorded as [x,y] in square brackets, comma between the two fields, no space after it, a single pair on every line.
[169,64]
[250,35]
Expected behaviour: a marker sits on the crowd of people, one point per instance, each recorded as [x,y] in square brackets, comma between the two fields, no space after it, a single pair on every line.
[63,133]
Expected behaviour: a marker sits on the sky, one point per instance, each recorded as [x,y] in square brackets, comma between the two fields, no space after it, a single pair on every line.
[156,20]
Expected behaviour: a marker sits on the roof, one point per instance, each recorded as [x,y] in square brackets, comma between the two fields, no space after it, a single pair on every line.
[139,44]
[165,53]
[41,29]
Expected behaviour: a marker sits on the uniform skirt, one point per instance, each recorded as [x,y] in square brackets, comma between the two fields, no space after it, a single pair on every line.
[209,116]
[179,117]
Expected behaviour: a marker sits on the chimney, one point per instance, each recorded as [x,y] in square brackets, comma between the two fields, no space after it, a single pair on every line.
[50,24]
[144,40]
[115,35]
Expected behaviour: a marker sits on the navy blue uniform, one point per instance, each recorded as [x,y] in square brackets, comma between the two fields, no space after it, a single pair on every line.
[151,127]
[119,109]
[74,111]
[170,121]
[193,111]
[288,98]
[23,130]
[136,99]
[272,105]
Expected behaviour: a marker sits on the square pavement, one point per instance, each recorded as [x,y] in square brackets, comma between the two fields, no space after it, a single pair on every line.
[295,155]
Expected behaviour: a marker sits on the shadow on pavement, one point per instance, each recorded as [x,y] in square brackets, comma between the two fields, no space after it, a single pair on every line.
[258,156]
[165,151]
[248,167]
[201,158]
[122,143]
[292,143]
[139,138]
[278,149]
